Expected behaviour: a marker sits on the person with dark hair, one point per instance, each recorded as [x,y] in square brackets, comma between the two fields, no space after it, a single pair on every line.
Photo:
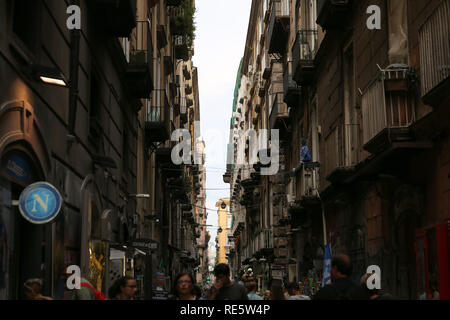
[33,290]
[295,293]
[342,287]
[251,289]
[224,288]
[123,288]
[184,288]
[276,291]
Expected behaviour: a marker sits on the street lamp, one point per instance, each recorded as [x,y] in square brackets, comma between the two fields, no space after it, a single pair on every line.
[49,75]
[140,196]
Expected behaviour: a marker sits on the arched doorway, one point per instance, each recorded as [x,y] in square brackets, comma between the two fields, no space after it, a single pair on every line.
[27,251]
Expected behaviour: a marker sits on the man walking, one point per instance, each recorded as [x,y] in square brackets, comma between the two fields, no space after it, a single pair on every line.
[251,289]
[224,288]
[342,287]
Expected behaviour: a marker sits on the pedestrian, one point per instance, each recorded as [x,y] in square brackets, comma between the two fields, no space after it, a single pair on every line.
[305,155]
[184,288]
[33,290]
[123,288]
[342,287]
[276,291]
[251,289]
[266,295]
[285,292]
[295,293]
[224,288]
[374,294]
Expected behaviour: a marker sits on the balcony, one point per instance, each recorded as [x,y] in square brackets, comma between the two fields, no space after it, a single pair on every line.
[181,48]
[336,165]
[186,73]
[434,42]
[278,29]
[303,187]
[279,112]
[183,111]
[303,53]
[117,16]
[388,110]
[292,91]
[140,67]
[161,36]
[333,14]
[265,243]
[158,122]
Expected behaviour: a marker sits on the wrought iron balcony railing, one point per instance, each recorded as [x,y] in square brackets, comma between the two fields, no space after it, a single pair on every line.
[140,66]
[332,14]
[434,39]
[292,91]
[303,54]
[388,105]
[279,111]
[158,117]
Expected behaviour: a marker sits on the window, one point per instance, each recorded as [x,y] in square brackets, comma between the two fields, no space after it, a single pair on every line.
[229,221]
[125,153]
[95,129]
[26,21]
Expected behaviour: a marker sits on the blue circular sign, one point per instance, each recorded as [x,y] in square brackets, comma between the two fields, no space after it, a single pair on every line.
[40,203]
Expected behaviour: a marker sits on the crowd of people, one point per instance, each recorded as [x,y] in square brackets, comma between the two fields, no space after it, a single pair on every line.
[342,287]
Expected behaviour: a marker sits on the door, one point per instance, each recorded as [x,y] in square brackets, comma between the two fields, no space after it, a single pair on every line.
[432,263]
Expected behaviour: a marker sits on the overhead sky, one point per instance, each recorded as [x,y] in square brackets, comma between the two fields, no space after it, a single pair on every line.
[219,46]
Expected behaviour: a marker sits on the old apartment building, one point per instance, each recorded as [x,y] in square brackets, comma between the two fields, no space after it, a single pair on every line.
[91,111]
[372,106]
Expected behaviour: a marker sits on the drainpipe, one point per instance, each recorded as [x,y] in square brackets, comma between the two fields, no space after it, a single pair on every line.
[74,66]
[73,99]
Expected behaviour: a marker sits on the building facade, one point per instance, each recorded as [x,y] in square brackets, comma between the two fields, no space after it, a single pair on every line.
[92,111]
[371,105]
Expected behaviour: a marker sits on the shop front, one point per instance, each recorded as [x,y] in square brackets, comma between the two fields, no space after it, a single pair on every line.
[25,247]
[432,262]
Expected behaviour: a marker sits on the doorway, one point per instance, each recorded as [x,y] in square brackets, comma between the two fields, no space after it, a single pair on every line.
[27,252]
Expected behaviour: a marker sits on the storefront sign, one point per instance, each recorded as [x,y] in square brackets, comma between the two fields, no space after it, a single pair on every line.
[277,274]
[40,203]
[17,167]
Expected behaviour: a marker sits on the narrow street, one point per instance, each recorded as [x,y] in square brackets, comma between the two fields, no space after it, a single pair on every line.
[224,150]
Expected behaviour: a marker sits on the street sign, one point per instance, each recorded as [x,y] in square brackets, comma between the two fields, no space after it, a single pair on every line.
[277,274]
[40,203]
[144,244]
